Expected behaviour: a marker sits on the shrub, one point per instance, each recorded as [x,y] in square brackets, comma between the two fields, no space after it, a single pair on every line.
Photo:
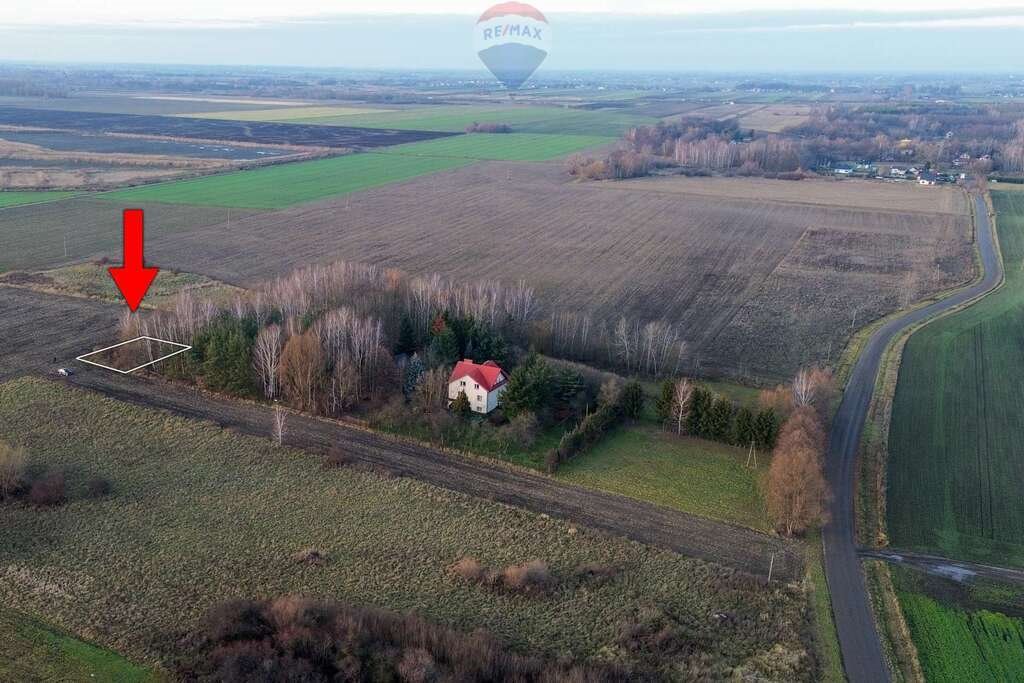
[335,458]
[311,557]
[522,430]
[529,577]
[468,569]
[551,461]
[595,571]
[49,490]
[633,400]
[417,666]
[98,487]
[12,469]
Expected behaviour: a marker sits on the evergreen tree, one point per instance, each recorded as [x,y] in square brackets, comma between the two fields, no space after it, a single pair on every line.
[413,370]
[766,429]
[406,343]
[460,406]
[697,422]
[444,349]
[744,432]
[719,420]
[633,400]
[529,387]
[665,399]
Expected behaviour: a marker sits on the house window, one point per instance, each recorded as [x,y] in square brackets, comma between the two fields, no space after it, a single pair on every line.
[476,386]
[462,383]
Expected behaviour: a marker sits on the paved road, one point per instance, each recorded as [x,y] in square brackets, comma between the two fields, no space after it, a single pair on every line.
[957,570]
[50,324]
[858,638]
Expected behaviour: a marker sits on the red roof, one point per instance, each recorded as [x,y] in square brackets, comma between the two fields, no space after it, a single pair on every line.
[488,375]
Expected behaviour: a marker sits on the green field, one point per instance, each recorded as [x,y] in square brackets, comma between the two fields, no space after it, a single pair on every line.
[31,650]
[14,198]
[960,644]
[201,514]
[276,187]
[503,147]
[956,464]
[701,477]
[455,118]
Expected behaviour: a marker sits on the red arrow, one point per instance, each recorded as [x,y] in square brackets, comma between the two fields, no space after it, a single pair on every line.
[133,278]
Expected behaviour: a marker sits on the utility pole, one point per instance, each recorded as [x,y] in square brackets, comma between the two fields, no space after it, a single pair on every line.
[771,566]
[65,244]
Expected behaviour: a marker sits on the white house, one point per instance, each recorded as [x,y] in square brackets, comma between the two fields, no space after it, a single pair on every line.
[483,384]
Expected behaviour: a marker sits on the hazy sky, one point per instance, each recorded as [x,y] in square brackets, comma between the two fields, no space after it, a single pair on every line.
[667,35]
[196,11]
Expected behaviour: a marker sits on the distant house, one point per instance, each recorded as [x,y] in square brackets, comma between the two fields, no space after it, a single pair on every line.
[842,170]
[927,179]
[483,384]
[897,172]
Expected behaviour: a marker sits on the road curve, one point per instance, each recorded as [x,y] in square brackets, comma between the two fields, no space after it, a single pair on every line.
[858,637]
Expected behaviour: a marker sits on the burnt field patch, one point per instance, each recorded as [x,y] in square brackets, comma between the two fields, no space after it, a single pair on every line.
[213,129]
[758,286]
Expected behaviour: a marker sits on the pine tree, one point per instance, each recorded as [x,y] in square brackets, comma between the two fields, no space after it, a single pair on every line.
[413,370]
[697,422]
[664,403]
[719,420]
[460,406]
[529,387]
[406,343]
[744,432]
[766,429]
[633,400]
[444,350]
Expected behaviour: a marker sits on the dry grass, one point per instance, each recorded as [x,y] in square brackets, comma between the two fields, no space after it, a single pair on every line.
[775,118]
[202,515]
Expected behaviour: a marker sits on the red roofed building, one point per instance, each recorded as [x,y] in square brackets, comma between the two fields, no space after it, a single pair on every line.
[483,384]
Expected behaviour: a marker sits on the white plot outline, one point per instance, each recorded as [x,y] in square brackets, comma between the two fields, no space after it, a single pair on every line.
[82,358]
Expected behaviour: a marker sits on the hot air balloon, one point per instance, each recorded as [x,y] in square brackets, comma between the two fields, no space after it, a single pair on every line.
[512,39]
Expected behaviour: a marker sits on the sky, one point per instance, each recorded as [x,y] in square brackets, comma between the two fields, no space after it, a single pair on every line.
[661,35]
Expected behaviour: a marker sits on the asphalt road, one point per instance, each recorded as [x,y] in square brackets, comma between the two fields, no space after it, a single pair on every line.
[858,638]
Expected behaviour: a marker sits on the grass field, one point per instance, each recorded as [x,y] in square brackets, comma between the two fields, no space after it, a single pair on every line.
[201,515]
[31,650]
[501,147]
[955,465]
[692,475]
[455,118]
[957,643]
[276,187]
[18,198]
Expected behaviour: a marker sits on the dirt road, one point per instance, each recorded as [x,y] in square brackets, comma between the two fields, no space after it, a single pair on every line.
[64,320]
[957,570]
[858,638]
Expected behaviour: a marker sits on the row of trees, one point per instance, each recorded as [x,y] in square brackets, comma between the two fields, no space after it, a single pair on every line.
[796,491]
[688,408]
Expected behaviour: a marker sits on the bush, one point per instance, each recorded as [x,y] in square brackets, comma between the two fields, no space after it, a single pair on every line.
[335,458]
[522,430]
[49,490]
[98,487]
[12,469]
[311,557]
[468,569]
[529,577]
[295,639]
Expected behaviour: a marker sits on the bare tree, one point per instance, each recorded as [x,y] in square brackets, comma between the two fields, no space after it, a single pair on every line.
[280,426]
[682,395]
[803,389]
[266,358]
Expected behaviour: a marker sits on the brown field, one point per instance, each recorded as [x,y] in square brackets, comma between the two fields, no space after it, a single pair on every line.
[775,118]
[762,276]
[33,237]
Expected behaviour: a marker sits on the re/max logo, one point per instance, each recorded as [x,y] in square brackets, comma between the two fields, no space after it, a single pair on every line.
[512,30]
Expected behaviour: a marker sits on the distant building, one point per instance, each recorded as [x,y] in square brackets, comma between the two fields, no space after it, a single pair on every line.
[927,179]
[898,172]
[842,170]
[483,384]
